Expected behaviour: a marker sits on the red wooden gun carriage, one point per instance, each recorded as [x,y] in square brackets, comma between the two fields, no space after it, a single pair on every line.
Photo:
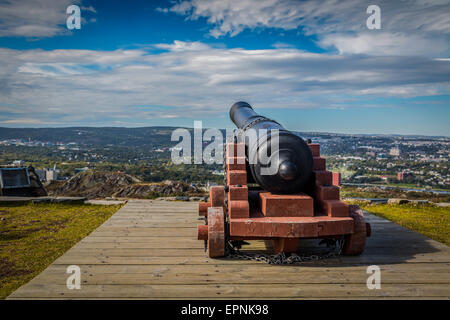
[298,201]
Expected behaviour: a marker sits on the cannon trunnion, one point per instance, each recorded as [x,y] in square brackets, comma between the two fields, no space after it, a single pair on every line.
[295,201]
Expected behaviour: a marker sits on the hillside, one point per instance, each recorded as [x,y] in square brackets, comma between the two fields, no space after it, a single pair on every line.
[101,184]
[93,136]
[121,136]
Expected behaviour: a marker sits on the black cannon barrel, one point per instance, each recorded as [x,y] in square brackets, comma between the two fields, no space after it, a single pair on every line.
[292,160]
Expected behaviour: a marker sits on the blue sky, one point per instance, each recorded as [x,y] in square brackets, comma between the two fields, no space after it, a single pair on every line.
[312,65]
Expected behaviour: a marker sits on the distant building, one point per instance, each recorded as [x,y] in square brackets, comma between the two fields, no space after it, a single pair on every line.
[402,175]
[18,163]
[51,174]
[394,152]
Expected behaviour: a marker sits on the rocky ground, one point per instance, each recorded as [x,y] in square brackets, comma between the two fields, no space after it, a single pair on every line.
[100,184]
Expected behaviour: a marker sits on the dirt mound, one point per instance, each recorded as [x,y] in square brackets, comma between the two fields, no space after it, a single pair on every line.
[53,186]
[100,184]
[166,189]
[92,184]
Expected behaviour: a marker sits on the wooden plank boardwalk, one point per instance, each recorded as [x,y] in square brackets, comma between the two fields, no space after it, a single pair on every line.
[149,250]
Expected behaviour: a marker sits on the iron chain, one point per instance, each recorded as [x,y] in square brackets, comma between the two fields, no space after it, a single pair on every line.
[282,258]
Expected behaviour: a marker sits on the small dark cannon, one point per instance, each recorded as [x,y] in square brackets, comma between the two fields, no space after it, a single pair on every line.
[297,200]
[292,159]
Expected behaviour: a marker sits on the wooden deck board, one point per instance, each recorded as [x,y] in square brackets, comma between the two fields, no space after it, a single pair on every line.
[148,250]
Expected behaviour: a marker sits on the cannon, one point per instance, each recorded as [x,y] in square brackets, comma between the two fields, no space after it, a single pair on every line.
[276,189]
[292,160]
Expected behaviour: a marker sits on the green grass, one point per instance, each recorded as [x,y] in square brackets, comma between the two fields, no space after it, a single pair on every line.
[429,220]
[32,236]
[355,192]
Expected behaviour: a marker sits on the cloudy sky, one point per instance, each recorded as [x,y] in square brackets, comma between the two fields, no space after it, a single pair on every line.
[312,65]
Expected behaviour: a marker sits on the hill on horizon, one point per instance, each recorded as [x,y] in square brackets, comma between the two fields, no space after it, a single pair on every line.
[118,136]
[140,136]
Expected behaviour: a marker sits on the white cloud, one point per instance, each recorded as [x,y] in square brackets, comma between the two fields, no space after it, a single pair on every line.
[27,121]
[231,17]
[385,43]
[408,26]
[182,46]
[90,8]
[36,18]
[99,87]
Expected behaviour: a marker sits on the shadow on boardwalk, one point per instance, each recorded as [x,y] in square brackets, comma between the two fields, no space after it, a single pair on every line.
[388,244]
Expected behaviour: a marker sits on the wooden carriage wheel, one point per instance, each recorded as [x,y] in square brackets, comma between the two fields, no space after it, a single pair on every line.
[216,232]
[355,243]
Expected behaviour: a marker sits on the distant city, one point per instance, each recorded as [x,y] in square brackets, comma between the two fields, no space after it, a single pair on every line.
[418,161]
[145,152]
